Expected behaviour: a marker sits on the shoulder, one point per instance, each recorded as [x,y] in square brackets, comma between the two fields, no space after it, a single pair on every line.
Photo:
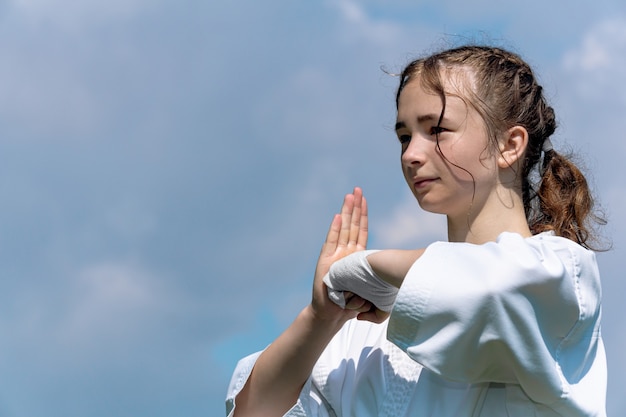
[577,259]
[561,258]
[546,244]
[544,253]
[515,271]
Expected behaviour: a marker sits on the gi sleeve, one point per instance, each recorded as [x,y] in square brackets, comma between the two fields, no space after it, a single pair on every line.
[350,376]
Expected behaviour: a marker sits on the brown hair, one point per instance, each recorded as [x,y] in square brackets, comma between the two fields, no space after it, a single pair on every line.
[505,93]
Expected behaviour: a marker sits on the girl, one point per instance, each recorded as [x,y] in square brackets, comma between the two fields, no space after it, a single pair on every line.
[501,320]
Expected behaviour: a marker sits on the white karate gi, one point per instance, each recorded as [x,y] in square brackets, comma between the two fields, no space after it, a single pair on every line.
[507,328]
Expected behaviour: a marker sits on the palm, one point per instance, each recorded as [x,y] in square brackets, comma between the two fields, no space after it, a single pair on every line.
[347,234]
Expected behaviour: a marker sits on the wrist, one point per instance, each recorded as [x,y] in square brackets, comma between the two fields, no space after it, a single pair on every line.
[322,323]
[355,275]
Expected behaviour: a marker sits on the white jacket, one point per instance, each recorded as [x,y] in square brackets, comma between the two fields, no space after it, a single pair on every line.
[508,328]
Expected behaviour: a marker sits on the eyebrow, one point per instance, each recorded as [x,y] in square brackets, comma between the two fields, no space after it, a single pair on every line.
[421,119]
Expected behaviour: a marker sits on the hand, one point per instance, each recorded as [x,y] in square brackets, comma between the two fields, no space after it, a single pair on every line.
[391,266]
[375,315]
[347,234]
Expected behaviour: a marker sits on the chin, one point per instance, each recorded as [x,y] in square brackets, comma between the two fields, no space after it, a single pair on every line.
[431,207]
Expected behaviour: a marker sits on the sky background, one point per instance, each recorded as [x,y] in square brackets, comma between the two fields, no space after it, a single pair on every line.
[168,170]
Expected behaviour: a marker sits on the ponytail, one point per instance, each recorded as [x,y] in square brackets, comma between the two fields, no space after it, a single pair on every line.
[564,204]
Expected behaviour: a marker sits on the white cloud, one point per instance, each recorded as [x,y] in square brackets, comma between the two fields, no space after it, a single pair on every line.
[352,11]
[601,47]
[113,286]
[598,63]
[361,27]
[109,301]
[410,226]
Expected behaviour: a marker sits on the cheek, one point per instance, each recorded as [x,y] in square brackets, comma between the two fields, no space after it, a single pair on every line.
[464,157]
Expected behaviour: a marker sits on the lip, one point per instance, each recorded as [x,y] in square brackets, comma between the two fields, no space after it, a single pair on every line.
[420,183]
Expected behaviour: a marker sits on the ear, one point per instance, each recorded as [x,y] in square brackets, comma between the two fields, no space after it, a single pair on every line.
[512,146]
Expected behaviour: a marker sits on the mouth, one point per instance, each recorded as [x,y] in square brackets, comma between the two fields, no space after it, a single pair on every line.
[421,183]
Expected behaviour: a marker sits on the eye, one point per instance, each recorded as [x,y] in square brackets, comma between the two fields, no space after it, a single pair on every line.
[436,130]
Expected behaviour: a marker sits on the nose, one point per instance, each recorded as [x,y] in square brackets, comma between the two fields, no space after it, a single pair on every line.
[414,152]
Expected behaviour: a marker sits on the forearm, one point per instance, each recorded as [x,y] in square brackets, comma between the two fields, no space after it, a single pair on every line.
[283,368]
[393,265]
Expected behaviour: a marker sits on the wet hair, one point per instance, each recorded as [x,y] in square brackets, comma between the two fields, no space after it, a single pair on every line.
[503,89]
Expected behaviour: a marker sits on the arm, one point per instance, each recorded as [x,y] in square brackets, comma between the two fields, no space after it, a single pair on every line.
[393,265]
[354,274]
[283,368]
[373,275]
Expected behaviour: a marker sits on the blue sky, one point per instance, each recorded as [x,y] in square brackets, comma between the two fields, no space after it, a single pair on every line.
[168,171]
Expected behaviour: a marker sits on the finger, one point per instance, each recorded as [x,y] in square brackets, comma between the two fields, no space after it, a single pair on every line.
[354,302]
[374,315]
[363,225]
[332,237]
[346,219]
[357,303]
[355,223]
[347,295]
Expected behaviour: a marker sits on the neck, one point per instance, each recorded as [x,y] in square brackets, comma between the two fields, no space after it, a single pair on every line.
[485,223]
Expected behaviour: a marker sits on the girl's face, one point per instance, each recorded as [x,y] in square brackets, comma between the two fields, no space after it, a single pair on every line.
[443,178]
